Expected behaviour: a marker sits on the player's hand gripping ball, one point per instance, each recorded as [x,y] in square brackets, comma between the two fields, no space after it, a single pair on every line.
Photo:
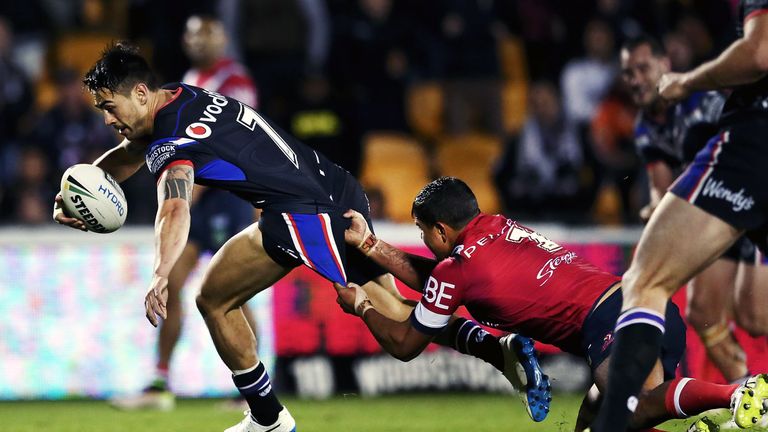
[93,196]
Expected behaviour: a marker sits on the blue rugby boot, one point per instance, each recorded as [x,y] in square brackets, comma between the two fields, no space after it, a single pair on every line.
[522,369]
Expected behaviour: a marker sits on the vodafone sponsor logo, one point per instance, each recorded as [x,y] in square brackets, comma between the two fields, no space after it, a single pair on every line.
[198,130]
[549,267]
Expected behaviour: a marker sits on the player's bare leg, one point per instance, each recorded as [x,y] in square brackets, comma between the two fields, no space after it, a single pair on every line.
[588,408]
[710,298]
[679,241]
[751,298]
[239,270]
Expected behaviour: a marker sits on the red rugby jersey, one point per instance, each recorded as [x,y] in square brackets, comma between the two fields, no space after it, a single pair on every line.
[226,77]
[513,278]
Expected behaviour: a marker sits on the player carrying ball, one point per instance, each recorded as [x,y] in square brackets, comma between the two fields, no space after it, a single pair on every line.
[187,135]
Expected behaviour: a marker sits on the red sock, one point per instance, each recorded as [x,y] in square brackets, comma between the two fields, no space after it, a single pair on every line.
[687,397]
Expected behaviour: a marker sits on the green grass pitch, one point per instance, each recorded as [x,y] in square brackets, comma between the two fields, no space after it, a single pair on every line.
[403,413]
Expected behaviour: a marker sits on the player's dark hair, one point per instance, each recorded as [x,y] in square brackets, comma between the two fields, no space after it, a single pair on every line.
[644,39]
[119,69]
[448,200]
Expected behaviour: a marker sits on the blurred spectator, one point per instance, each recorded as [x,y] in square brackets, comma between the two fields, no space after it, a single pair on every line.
[540,25]
[325,122]
[370,62]
[612,133]
[586,80]
[29,200]
[16,101]
[71,131]
[679,52]
[540,173]
[472,71]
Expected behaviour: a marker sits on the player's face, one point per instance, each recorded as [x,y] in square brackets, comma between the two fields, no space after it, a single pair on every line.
[641,70]
[126,113]
[434,240]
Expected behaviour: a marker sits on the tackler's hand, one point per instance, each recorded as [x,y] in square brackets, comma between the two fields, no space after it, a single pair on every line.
[352,299]
[673,87]
[359,234]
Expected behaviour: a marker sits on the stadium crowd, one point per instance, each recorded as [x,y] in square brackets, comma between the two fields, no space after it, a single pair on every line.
[521,98]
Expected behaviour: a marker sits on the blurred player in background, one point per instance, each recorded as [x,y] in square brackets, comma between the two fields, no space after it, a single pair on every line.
[721,196]
[187,135]
[216,215]
[515,279]
[667,135]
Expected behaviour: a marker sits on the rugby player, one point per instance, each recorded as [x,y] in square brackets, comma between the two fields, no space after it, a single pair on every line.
[189,135]
[720,197]
[216,215]
[664,135]
[512,278]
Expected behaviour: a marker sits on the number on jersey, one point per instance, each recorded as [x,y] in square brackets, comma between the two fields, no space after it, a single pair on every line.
[249,118]
[517,234]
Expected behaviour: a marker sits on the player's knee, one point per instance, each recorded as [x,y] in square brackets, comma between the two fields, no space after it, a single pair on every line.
[206,304]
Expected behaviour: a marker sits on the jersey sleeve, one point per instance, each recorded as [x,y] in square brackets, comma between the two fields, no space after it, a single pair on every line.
[165,152]
[442,296]
[753,8]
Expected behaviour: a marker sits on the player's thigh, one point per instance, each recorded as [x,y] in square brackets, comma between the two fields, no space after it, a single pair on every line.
[239,270]
[710,293]
[679,241]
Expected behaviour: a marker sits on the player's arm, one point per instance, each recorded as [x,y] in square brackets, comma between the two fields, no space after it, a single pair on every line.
[743,62]
[399,339]
[174,193]
[123,160]
[412,270]
[660,177]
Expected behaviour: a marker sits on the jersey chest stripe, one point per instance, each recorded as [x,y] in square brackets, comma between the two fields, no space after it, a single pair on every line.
[181,108]
[325,223]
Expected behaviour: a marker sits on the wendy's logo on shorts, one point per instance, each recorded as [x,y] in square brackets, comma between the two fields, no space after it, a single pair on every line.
[716,189]
[607,341]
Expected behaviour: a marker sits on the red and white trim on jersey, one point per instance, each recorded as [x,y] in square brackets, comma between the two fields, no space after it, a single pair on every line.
[428,322]
[717,148]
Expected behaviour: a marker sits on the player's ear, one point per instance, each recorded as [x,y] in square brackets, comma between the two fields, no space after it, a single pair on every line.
[142,93]
[441,230]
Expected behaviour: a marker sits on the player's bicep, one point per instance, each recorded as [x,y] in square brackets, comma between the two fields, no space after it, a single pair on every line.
[176,182]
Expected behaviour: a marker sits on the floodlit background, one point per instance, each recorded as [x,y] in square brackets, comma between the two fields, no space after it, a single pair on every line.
[396,91]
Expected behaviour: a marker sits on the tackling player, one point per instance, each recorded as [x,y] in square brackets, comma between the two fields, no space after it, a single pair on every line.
[720,197]
[216,215]
[189,135]
[664,132]
[513,278]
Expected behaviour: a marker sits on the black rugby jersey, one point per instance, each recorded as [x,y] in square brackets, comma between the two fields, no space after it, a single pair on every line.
[233,147]
[666,142]
[753,95]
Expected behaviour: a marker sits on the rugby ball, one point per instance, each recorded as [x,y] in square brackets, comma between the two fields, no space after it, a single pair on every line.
[93,196]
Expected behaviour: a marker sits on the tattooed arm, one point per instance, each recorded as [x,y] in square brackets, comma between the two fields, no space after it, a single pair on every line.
[412,270]
[174,192]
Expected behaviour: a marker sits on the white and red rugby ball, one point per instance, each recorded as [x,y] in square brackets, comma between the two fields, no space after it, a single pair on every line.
[93,196]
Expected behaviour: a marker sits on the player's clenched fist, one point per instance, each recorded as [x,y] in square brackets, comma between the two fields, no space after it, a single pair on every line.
[672,87]
[156,299]
[358,234]
[352,299]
